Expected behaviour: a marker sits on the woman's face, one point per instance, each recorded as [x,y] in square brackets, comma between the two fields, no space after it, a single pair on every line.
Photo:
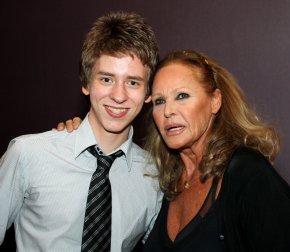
[182,110]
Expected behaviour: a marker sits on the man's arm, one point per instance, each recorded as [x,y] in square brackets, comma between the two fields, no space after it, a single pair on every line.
[11,187]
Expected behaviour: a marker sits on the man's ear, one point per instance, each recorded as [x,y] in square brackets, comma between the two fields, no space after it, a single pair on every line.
[148,99]
[216,102]
[85,90]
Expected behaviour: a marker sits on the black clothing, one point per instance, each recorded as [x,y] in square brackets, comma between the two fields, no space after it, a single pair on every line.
[203,227]
[254,205]
[251,213]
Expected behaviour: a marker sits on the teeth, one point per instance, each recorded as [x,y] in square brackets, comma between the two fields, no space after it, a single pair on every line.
[117,111]
[175,129]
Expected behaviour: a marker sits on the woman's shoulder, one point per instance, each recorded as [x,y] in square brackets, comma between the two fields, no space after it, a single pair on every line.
[248,167]
[245,166]
[247,162]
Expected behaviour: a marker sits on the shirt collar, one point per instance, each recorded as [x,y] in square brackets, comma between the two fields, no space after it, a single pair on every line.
[85,138]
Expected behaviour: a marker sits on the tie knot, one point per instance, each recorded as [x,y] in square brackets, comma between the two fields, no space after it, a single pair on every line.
[118,153]
[104,161]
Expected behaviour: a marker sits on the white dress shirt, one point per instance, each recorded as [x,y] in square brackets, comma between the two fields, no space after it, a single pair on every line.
[44,182]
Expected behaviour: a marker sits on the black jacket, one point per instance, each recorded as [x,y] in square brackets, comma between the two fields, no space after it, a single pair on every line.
[254,205]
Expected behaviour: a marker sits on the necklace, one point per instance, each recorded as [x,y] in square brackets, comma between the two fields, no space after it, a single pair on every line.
[186,184]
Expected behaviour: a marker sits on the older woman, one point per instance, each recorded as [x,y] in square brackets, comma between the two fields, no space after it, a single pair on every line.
[214,157]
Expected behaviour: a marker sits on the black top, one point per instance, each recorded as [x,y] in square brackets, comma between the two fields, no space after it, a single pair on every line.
[252,213]
[194,236]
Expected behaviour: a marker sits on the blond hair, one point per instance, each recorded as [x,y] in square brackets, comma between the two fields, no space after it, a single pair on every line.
[236,124]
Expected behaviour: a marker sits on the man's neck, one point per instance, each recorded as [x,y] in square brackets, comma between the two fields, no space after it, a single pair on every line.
[108,141]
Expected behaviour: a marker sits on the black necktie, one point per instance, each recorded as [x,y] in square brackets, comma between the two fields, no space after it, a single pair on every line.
[97,224]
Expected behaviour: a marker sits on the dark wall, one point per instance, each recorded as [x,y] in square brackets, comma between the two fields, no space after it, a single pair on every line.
[41,41]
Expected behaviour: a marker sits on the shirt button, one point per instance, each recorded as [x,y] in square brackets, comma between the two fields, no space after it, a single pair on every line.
[222,237]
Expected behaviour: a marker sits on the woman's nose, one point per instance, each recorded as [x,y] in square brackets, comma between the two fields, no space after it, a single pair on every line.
[168,109]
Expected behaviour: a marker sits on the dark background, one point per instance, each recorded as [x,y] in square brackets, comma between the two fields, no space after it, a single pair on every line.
[41,41]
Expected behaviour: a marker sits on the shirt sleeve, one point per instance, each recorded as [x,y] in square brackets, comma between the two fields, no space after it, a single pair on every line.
[11,186]
[159,201]
[265,211]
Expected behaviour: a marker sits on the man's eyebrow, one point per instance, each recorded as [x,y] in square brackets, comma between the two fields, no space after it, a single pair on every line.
[132,77]
[105,73]
[139,78]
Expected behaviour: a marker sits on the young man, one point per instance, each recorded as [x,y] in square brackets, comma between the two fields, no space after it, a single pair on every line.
[45,178]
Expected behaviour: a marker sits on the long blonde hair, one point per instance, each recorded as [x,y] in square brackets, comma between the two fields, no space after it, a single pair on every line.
[236,124]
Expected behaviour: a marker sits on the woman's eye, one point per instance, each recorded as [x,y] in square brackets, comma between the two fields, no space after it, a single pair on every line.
[182,96]
[158,101]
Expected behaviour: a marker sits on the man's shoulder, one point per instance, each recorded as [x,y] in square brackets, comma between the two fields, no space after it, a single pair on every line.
[143,158]
[37,140]
[138,153]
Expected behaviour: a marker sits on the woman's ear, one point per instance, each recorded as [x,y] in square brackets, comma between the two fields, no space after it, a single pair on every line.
[85,90]
[216,101]
[148,98]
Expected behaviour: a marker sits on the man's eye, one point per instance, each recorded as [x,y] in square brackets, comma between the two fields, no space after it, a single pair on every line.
[182,96]
[158,101]
[105,80]
[133,83]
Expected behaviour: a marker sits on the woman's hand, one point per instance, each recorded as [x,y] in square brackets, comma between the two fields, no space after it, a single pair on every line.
[70,125]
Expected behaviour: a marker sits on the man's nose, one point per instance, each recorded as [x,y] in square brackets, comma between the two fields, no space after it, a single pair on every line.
[119,92]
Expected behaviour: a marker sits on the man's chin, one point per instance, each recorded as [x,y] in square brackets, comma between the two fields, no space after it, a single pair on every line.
[118,130]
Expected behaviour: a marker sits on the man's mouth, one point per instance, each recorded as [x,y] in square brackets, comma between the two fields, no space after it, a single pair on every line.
[116,112]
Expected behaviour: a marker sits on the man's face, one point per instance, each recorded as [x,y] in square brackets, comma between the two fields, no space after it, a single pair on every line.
[117,91]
